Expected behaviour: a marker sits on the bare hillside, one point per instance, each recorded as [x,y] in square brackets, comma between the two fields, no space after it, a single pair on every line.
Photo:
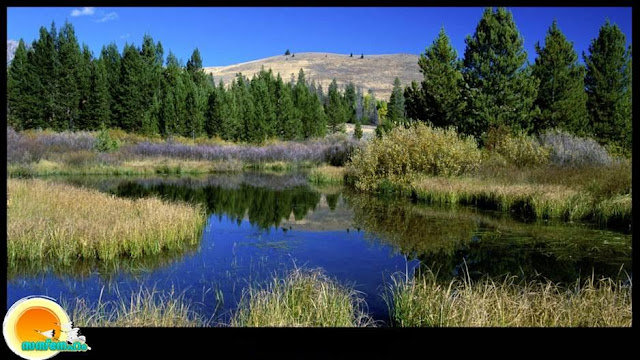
[375,72]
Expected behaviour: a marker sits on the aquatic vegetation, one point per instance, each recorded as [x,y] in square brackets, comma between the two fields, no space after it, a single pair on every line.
[143,308]
[327,174]
[423,301]
[302,298]
[49,221]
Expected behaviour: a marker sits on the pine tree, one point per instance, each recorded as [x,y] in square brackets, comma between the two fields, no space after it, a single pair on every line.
[561,96]
[350,102]
[131,101]
[396,109]
[43,64]
[439,101]
[97,111]
[19,89]
[289,124]
[500,89]
[414,101]
[194,122]
[194,67]
[70,65]
[608,86]
[213,116]
[84,87]
[357,131]
[336,116]
[111,59]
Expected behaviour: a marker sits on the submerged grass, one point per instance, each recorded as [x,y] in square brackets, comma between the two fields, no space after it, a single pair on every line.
[423,301]
[327,174]
[303,298]
[49,221]
[144,308]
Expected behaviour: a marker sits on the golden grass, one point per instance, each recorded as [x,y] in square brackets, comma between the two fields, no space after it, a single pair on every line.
[424,301]
[147,166]
[144,308]
[303,298]
[49,221]
[327,174]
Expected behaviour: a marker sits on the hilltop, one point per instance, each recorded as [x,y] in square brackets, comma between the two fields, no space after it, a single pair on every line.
[375,72]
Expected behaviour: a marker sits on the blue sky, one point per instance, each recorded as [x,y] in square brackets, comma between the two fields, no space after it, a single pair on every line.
[230,35]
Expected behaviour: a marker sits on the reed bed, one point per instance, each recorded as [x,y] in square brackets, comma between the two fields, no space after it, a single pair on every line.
[425,302]
[327,174]
[49,221]
[143,308]
[303,298]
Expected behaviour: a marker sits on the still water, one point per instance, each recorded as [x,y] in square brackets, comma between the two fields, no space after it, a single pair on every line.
[260,225]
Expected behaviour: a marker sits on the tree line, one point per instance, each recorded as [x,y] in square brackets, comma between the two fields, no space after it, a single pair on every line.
[57,84]
[493,85]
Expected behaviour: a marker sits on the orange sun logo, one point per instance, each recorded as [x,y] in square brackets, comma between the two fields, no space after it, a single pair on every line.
[37,327]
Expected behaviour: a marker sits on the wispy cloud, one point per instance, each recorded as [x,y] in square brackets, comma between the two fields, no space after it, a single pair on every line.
[84,11]
[125,36]
[108,17]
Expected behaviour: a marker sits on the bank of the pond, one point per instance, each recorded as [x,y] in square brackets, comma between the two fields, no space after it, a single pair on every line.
[530,200]
[149,166]
[571,179]
[305,298]
[48,221]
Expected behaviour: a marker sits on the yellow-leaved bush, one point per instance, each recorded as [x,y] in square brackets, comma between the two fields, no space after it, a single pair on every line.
[403,153]
[517,149]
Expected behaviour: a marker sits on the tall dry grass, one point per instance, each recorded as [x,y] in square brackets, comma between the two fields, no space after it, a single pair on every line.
[303,298]
[425,302]
[146,307]
[49,221]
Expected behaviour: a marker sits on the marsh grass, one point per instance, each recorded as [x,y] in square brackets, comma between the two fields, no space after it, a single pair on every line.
[146,307]
[533,200]
[58,222]
[143,166]
[327,174]
[302,298]
[424,302]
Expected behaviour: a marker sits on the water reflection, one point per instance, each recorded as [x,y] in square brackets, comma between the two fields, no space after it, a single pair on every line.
[450,239]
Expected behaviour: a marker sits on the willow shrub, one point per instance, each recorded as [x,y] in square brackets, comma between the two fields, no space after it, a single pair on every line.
[403,153]
[517,149]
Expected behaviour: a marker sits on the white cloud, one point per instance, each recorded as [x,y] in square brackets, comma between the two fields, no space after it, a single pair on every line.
[83,11]
[125,36]
[108,17]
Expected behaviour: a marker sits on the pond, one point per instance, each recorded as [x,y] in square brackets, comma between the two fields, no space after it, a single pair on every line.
[264,224]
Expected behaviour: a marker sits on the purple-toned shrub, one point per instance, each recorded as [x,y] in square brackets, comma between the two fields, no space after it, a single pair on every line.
[33,146]
[335,150]
[570,150]
[67,141]
[17,148]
